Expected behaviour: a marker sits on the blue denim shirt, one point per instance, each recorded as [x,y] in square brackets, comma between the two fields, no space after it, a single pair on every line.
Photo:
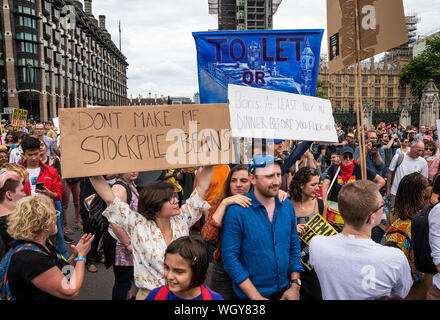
[252,247]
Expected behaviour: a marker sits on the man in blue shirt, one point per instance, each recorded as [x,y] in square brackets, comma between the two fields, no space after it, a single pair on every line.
[260,245]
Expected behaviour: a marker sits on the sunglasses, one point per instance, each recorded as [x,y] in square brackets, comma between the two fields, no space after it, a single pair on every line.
[430,149]
[347,156]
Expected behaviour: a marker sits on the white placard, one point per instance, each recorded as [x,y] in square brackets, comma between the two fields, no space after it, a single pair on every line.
[438,126]
[261,113]
[56,123]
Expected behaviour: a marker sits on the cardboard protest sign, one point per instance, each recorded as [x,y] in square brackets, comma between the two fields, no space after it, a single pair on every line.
[381,26]
[260,113]
[19,117]
[315,226]
[112,140]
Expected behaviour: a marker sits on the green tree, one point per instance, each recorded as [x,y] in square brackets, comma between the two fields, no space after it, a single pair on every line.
[319,87]
[419,70]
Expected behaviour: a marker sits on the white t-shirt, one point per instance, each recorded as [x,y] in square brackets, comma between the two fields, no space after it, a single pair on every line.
[357,269]
[434,240]
[33,176]
[408,166]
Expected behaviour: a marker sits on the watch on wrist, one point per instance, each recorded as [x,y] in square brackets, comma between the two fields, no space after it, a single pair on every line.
[296,281]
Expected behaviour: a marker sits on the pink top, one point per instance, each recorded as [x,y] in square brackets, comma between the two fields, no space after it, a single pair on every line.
[433,168]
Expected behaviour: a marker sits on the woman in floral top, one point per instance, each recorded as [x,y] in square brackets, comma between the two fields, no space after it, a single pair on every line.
[157,222]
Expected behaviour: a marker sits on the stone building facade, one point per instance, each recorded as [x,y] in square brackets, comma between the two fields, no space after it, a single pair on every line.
[55,54]
[379,87]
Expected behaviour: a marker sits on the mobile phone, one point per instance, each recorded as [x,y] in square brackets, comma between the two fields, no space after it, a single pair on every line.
[40,185]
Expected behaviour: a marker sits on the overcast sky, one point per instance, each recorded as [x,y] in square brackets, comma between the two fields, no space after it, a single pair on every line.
[157,36]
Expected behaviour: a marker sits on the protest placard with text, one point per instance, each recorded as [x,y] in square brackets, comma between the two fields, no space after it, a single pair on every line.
[19,117]
[261,113]
[110,140]
[380,27]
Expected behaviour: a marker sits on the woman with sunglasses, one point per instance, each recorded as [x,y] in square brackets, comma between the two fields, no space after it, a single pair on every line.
[35,267]
[432,158]
[404,148]
[156,223]
[303,194]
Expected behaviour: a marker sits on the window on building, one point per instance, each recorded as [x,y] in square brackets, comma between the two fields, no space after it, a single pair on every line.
[26,10]
[338,79]
[390,105]
[351,106]
[27,22]
[377,80]
[28,47]
[364,92]
[390,92]
[403,92]
[351,91]
[377,105]
[391,80]
[338,91]
[351,79]
[377,92]
[364,79]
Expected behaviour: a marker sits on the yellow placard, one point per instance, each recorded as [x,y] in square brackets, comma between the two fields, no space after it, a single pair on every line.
[19,117]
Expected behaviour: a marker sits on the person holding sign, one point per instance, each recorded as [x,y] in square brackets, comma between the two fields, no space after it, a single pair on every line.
[303,194]
[350,265]
[159,221]
[260,244]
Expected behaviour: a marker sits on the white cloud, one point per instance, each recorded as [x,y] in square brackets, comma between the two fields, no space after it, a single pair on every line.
[157,36]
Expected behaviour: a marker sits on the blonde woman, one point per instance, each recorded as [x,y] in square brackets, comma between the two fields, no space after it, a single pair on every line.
[36,273]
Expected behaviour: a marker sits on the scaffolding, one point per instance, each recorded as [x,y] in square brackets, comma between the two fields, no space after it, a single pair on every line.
[244,14]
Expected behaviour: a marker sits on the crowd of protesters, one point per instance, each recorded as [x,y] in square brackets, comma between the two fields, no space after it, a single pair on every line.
[227,232]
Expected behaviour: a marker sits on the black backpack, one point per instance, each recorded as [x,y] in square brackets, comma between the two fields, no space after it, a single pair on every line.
[420,236]
[96,206]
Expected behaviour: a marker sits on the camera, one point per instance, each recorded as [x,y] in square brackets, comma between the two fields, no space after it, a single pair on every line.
[376,145]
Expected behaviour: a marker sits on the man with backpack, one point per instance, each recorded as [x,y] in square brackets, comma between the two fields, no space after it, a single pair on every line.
[412,162]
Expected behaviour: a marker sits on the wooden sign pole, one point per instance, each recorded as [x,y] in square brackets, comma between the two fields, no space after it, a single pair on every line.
[359,108]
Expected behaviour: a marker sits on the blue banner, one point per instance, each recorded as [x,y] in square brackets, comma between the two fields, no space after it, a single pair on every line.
[282,60]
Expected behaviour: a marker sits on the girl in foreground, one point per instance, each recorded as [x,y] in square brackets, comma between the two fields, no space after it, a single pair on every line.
[185,267]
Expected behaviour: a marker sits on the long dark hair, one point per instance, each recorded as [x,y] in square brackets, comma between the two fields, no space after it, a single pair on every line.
[227,186]
[300,178]
[409,196]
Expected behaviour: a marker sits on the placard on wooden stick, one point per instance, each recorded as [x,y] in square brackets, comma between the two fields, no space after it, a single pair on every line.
[381,25]
[110,140]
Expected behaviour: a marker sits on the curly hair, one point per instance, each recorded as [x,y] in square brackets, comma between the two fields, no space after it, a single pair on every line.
[430,144]
[409,197]
[22,172]
[152,198]
[301,178]
[31,217]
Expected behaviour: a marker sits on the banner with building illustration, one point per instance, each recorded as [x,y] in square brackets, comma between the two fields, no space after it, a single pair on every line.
[282,60]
